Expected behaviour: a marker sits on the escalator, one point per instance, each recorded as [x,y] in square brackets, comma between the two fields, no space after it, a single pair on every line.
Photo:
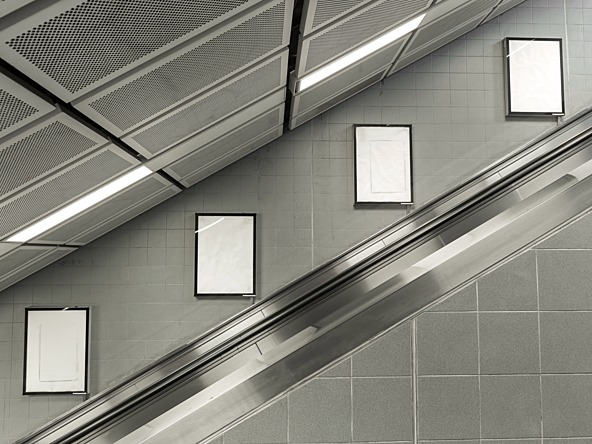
[242,365]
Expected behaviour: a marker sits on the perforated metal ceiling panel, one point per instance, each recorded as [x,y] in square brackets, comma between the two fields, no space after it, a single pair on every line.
[429,46]
[190,70]
[43,148]
[504,6]
[318,13]
[71,46]
[353,30]
[62,187]
[211,107]
[333,86]
[125,216]
[204,155]
[18,106]
[93,217]
[26,260]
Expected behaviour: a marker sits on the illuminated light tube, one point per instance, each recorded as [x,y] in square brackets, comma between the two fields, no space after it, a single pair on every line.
[360,53]
[80,205]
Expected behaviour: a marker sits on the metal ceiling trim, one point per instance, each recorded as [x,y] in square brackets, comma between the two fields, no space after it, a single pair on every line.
[282,76]
[303,117]
[406,57]
[229,124]
[304,42]
[83,103]
[9,6]
[47,238]
[307,26]
[22,21]
[233,155]
[125,216]
[21,93]
[51,255]
[399,44]
[7,247]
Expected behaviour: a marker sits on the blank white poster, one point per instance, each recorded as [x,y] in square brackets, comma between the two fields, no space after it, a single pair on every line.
[535,77]
[56,347]
[383,164]
[225,254]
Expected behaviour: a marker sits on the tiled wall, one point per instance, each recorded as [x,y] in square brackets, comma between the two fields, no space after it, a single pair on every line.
[507,359]
[139,278]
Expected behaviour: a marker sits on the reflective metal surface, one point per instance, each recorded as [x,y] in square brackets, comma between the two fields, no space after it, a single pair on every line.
[201,389]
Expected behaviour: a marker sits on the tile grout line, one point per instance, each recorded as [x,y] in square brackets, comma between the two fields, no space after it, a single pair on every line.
[479,363]
[536,271]
[414,395]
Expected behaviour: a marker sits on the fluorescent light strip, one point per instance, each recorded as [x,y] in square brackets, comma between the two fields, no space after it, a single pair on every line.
[80,205]
[360,53]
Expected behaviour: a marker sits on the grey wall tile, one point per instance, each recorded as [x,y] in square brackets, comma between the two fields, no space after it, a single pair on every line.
[448,407]
[577,235]
[463,300]
[320,411]
[564,282]
[566,342]
[267,426]
[388,356]
[567,406]
[341,369]
[509,343]
[382,409]
[447,344]
[510,287]
[510,406]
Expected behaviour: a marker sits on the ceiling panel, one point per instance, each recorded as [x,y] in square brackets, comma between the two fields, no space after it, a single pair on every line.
[63,187]
[18,106]
[190,70]
[26,260]
[42,148]
[437,41]
[71,46]
[353,30]
[324,91]
[207,154]
[437,29]
[120,203]
[210,108]
[233,156]
[125,216]
[299,119]
[220,130]
[318,13]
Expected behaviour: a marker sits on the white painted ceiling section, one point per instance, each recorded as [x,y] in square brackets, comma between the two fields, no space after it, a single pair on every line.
[91,90]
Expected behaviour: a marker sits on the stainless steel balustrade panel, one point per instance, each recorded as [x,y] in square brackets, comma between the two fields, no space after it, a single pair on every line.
[188,356]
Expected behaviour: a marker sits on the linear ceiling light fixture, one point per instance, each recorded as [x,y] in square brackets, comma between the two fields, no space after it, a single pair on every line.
[80,205]
[360,53]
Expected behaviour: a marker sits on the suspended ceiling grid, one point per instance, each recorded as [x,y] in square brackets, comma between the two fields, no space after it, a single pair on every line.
[91,89]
